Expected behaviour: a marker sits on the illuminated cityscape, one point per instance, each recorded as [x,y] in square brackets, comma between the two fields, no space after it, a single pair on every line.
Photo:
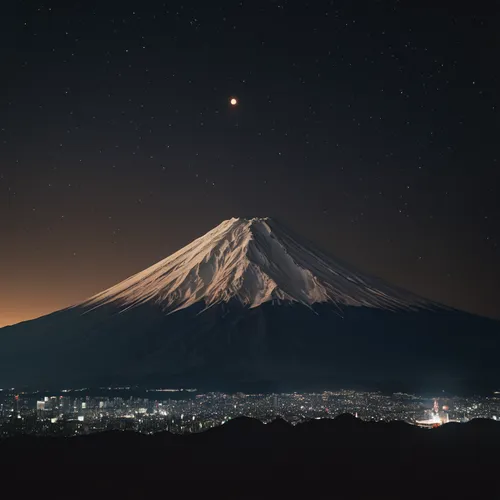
[79,412]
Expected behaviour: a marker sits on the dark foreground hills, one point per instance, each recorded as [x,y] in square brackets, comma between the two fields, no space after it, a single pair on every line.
[341,458]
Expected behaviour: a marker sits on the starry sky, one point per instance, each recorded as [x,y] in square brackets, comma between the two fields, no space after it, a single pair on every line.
[370,127]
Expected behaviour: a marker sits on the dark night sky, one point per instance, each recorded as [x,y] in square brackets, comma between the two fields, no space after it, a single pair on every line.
[372,129]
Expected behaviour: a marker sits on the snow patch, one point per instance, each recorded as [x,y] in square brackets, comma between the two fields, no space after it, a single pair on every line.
[254,261]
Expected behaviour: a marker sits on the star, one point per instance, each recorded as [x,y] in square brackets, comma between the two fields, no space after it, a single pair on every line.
[233,101]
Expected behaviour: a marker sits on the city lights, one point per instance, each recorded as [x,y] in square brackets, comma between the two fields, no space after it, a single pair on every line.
[184,411]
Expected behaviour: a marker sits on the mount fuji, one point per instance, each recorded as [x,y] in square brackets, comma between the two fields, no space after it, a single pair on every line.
[252,306]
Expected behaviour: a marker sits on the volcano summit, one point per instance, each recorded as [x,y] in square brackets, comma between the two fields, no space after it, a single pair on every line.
[253,261]
[249,305]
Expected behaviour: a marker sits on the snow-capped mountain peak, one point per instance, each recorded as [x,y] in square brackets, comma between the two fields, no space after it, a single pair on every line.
[252,260]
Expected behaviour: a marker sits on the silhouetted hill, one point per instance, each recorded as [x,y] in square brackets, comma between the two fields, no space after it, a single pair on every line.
[245,458]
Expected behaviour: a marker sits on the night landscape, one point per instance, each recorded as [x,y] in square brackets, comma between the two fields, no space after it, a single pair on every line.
[250,249]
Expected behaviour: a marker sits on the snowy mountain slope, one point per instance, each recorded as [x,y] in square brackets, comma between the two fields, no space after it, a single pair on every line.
[253,261]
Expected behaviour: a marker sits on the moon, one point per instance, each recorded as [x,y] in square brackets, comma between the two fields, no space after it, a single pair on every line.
[233,101]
